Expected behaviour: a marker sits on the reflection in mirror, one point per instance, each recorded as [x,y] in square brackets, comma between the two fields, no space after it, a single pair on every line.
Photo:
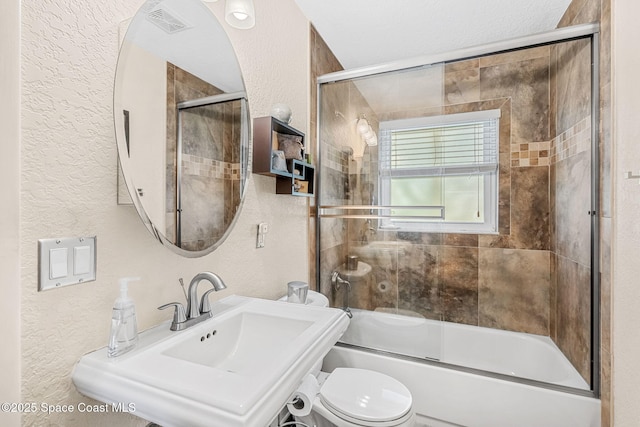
[182,124]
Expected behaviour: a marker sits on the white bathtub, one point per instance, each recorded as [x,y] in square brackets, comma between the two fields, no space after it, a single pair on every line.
[510,353]
[445,397]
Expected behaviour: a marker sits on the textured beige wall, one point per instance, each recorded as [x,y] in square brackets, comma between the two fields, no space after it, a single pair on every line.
[9,213]
[626,227]
[68,179]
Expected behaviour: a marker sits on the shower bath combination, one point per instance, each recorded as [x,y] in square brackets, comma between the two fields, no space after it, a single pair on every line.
[469,209]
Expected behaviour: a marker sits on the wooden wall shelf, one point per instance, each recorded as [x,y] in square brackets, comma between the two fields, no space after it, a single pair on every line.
[295,176]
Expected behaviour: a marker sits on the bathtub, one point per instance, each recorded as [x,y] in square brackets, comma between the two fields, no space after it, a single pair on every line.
[453,397]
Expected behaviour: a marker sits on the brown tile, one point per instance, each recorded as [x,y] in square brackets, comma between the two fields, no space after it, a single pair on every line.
[330,259]
[505,124]
[569,17]
[590,12]
[605,43]
[553,92]
[605,389]
[384,291]
[468,64]
[527,83]
[458,278]
[514,57]
[469,240]
[502,104]
[573,83]
[574,314]
[529,211]
[573,198]
[504,196]
[421,238]
[514,290]
[418,285]
[552,208]
[606,148]
[605,283]
[462,86]
[325,61]
[553,299]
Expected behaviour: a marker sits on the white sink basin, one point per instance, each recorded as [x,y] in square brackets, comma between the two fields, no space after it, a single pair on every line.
[236,369]
[237,340]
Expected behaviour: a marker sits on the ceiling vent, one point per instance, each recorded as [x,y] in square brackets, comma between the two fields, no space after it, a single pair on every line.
[149,5]
[167,20]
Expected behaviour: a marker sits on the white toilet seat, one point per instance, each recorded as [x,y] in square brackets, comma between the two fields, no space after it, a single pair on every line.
[365,398]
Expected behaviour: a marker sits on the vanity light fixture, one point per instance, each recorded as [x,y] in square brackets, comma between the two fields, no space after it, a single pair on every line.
[366,131]
[240,14]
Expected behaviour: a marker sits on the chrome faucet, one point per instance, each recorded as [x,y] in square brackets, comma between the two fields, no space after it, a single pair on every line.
[192,303]
[195,313]
[338,281]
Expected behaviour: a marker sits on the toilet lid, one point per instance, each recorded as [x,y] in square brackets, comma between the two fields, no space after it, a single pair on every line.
[365,395]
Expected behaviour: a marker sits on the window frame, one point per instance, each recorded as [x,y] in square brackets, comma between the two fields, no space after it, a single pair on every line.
[491,173]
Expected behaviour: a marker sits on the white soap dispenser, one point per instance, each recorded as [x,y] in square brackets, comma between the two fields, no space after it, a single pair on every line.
[124,329]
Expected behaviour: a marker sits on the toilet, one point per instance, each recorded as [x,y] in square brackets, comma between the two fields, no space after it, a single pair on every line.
[350,397]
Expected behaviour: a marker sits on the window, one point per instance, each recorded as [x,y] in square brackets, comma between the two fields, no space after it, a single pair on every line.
[440,173]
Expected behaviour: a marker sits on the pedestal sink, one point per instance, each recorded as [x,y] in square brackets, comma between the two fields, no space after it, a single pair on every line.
[237,369]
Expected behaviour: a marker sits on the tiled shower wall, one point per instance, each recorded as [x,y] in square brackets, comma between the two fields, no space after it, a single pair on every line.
[562,300]
[571,110]
[211,160]
[525,279]
[479,280]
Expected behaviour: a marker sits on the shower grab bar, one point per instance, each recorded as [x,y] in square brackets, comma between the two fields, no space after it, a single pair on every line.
[324,212]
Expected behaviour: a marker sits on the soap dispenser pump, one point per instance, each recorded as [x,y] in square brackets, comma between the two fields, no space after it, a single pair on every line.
[124,329]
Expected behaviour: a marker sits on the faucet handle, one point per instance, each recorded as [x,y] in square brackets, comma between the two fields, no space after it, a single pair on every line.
[205,307]
[179,315]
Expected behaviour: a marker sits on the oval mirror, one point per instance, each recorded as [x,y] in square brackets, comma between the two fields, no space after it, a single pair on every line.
[182,124]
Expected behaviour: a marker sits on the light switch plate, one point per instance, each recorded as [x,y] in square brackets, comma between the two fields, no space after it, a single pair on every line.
[58,263]
[79,254]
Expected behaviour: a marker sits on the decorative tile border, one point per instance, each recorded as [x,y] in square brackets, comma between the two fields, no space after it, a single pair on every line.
[202,166]
[573,141]
[531,154]
[334,158]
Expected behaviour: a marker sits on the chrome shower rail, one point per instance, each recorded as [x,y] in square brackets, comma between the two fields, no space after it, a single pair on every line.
[324,212]
[525,42]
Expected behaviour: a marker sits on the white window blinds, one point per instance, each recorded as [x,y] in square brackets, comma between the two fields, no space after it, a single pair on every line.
[455,144]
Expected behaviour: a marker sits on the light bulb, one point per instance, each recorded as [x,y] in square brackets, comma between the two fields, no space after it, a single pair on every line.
[240,16]
[373,140]
[368,134]
[362,126]
[240,13]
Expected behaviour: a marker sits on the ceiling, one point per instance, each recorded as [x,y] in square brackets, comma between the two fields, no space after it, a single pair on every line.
[369,32]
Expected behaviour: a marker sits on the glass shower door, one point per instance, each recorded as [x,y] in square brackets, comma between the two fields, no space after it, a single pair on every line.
[208,158]
[392,293]
[467,211]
